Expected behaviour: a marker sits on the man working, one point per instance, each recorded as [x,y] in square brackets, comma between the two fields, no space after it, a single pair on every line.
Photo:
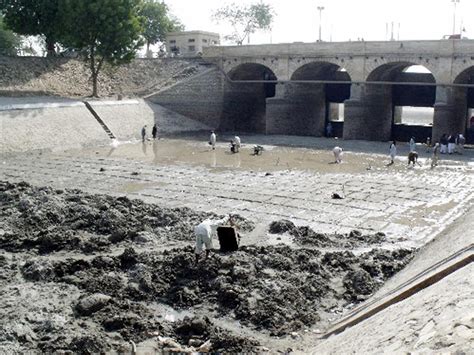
[412,158]
[337,151]
[205,231]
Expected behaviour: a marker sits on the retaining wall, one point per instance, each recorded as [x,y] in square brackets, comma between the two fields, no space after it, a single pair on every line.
[126,118]
[200,97]
[55,124]
[49,128]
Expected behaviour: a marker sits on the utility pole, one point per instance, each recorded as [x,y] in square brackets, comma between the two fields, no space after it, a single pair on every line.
[320,9]
[455,2]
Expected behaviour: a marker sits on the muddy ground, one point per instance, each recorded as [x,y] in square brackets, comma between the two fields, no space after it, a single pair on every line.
[88,273]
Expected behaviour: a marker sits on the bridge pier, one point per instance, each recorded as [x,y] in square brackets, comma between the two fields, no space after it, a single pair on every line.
[368,113]
[297,109]
[244,108]
[450,112]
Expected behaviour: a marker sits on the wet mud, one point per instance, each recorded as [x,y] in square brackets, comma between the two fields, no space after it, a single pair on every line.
[88,273]
[305,236]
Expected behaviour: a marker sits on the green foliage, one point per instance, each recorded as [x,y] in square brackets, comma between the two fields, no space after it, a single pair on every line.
[34,17]
[9,42]
[157,22]
[245,19]
[108,31]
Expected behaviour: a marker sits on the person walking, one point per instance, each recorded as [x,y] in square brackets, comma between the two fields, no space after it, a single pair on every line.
[451,143]
[443,141]
[393,152]
[238,143]
[337,151]
[412,144]
[435,156]
[460,141]
[212,140]
[329,130]
[154,131]
[205,231]
[144,133]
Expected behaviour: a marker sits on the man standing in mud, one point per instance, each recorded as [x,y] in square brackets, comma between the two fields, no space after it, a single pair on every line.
[144,133]
[204,233]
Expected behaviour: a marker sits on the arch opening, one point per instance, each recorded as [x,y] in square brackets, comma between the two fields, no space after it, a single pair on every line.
[410,108]
[325,101]
[465,98]
[245,103]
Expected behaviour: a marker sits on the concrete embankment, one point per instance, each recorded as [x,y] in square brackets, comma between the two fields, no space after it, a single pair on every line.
[58,124]
[41,125]
[437,318]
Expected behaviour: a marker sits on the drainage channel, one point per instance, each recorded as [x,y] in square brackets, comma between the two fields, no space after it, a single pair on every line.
[101,122]
[424,279]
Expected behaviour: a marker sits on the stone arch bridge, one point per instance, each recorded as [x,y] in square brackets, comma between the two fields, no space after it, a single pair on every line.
[288,88]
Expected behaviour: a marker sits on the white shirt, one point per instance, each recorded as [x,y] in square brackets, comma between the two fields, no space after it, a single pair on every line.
[209,226]
[393,149]
[213,138]
[237,140]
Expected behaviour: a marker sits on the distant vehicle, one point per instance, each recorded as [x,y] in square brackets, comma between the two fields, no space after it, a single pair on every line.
[458,36]
[70,53]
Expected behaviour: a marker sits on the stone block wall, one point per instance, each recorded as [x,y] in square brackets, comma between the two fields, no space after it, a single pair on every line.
[126,118]
[200,98]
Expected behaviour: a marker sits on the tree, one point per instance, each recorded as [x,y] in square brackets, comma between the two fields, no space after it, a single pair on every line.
[245,19]
[157,22]
[35,17]
[107,31]
[9,42]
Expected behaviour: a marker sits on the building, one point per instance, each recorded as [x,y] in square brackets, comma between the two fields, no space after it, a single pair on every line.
[190,43]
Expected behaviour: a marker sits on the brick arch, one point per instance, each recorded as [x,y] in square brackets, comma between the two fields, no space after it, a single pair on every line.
[377,69]
[231,65]
[295,64]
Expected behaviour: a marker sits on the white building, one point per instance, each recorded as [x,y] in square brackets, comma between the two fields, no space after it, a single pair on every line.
[190,43]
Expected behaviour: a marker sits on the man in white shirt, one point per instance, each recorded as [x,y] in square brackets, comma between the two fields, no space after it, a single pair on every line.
[204,233]
[212,140]
[337,151]
[237,142]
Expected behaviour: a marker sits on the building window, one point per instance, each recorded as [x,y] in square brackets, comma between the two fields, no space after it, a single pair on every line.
[214,42]
[204,40]
[191,48]
[191,40]
[172,41]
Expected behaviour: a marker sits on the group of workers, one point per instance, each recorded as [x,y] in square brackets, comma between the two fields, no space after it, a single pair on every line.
[207,229]
[235,143]
[447,144]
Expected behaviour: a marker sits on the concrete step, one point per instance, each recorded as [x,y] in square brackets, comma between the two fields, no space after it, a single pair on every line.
[101,122]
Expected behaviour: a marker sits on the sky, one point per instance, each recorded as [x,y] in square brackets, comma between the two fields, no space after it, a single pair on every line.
[342,20]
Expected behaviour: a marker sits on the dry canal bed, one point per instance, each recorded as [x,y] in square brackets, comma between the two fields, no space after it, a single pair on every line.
[87,272]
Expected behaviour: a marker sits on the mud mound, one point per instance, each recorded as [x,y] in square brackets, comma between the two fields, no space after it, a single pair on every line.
[197,331]
[72,301]
[278,289]
[47,220]
[306,236]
